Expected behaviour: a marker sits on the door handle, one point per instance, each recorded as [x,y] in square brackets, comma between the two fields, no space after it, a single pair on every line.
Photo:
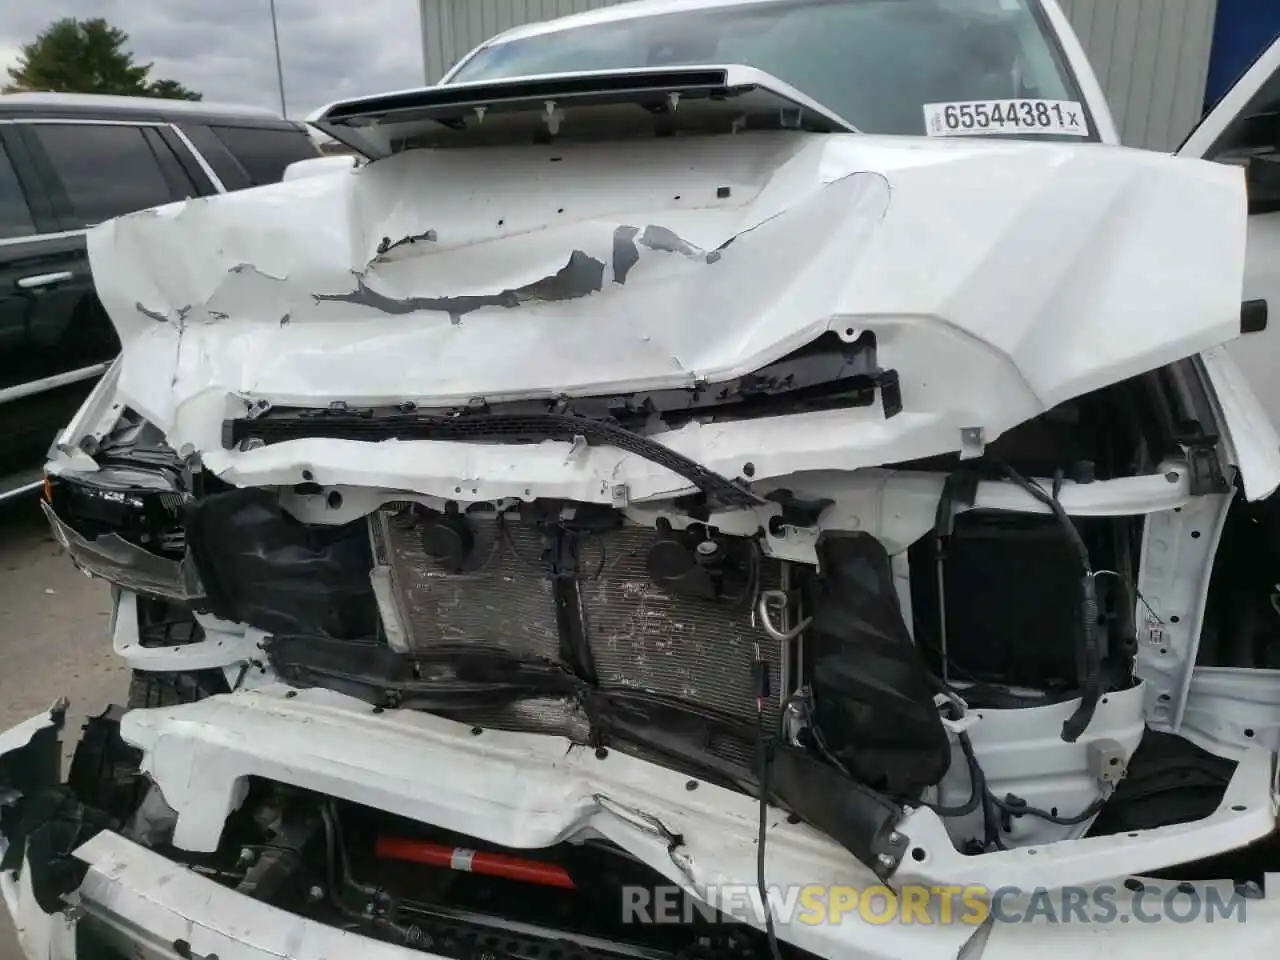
[36,281]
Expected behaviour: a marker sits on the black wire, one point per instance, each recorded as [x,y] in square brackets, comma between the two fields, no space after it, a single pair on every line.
[506,537]
[604,556]
[1055,506]
[1090,655]
[977,783]
[753,578]
[764,753]
[1019,807]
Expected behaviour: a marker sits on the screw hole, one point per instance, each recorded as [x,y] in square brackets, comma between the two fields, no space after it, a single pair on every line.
[1248,732]
[335,500]
[1239,808]
[1195,534]
[918,854]
[1163,651]
[1175,619]
[1164,698]
[1132,884]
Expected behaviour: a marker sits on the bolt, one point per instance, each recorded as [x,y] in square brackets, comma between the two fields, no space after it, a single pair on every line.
[691,785]
[247,856]
[886,861]
[316,893]
[895,838]
[601,752]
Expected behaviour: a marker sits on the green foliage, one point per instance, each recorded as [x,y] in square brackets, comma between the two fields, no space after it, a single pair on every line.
[88,56]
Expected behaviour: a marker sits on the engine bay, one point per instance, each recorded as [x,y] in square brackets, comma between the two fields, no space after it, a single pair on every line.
[929,664]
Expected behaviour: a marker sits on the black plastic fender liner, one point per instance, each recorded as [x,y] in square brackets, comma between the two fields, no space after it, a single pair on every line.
[450,677]
[873,699]
[261,566]
[47,820]
[858,818]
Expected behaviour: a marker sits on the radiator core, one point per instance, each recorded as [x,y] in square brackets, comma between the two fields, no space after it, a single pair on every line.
[641,638]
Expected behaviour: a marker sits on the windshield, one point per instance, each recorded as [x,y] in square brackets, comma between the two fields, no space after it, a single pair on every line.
[934,67]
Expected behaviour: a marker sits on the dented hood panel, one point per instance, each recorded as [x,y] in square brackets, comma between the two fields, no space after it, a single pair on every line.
[1000,279]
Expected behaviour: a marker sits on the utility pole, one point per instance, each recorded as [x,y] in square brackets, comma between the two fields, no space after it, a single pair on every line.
[275,33]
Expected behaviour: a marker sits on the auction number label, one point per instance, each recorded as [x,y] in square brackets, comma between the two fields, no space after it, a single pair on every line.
[974,118]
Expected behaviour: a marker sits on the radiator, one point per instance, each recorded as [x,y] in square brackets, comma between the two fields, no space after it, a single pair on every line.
[641,639]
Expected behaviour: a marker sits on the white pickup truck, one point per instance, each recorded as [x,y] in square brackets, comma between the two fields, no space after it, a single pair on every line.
[725,479]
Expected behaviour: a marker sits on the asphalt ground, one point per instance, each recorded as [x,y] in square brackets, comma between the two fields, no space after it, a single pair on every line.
[53,638]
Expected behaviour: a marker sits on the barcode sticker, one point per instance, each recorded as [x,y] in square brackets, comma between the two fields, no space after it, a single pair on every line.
[975,118]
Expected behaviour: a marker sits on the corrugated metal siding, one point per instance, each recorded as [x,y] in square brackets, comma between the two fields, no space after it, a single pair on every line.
[1152,57]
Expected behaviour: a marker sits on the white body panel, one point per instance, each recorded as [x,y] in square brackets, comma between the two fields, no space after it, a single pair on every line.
[999,279]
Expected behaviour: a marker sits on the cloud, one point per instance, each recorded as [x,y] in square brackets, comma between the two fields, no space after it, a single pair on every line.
[331,49]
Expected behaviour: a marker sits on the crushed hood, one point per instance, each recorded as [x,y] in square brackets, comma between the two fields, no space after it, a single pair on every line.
[999,279]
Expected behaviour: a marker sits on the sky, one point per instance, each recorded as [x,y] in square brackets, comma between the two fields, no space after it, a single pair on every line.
[331,49]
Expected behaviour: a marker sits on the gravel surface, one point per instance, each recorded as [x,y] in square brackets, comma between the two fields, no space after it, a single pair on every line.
[53,637]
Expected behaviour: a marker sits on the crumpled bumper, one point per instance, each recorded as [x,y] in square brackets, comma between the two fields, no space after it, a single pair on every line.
[145,905]
[139,903]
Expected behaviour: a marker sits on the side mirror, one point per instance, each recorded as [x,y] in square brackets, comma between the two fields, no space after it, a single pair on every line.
[318,166]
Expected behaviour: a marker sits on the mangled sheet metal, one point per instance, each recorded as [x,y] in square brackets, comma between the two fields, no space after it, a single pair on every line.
[998,280]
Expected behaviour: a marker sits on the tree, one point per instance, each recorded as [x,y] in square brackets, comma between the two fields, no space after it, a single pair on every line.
[88,56]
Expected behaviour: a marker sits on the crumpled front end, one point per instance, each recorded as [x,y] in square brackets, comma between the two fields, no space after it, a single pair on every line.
[507,535]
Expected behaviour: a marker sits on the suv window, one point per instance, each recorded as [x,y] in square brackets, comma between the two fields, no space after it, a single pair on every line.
[264,152]
[885,67]
[106,170]
[15,215]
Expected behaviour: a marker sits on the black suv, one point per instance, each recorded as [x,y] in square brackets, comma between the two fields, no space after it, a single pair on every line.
[67,162]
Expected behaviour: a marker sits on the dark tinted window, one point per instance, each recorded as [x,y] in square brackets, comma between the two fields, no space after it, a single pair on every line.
[105,170]
[180,184]
[224,165]
[15,217]
[265,152]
